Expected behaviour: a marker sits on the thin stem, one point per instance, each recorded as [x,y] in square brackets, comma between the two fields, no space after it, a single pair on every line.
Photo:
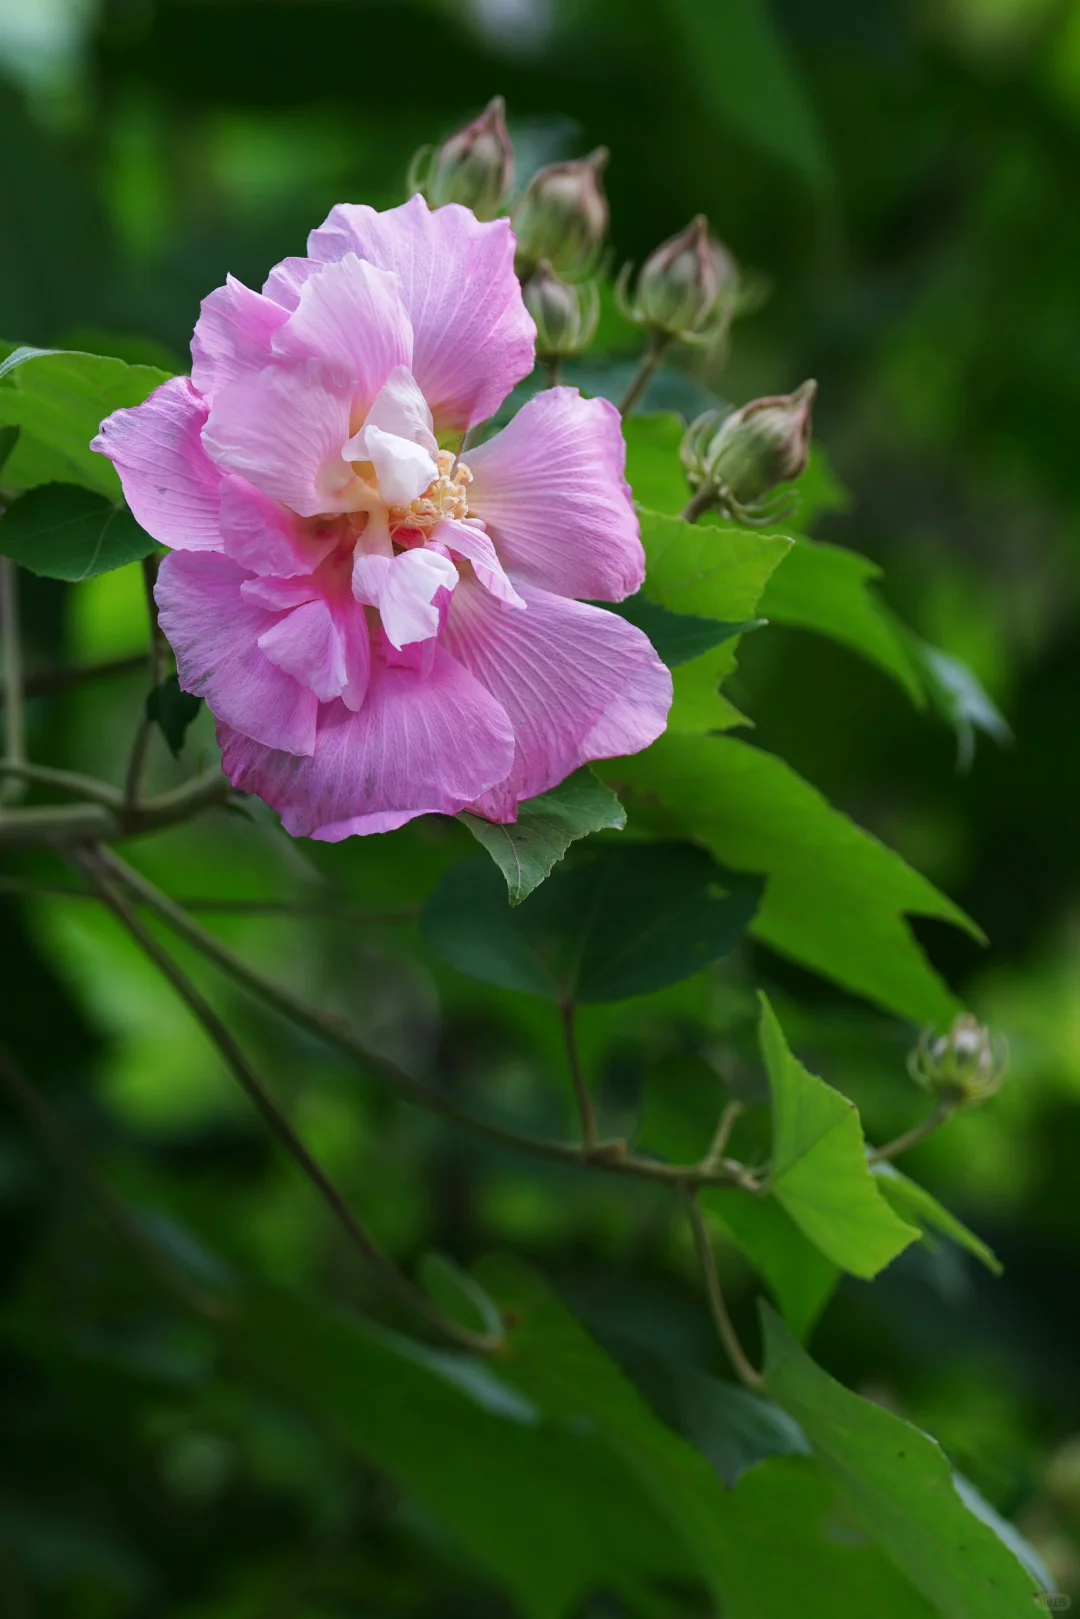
[65,1149]
[728,1336]
[699,504]
[552,365]
[393,1279]
[154,671]
[918,1132]
[62,824]
[581,1091]
[297,908]
[64,781]
[649,364]
[728,1120]
[14,718]
[615,1160]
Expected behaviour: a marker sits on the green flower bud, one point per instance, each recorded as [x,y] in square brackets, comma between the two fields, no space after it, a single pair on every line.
[566,314]
[563,217]
[742,456]
[474,167]
[687,288]
[964,1066]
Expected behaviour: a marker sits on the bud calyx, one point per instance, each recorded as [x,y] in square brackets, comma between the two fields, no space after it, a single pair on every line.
[566,313]
[563,217]
[743,455]
[474,166]
[963,1066]
[688,287]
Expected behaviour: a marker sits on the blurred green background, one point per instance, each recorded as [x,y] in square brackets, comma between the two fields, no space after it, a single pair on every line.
[904,177]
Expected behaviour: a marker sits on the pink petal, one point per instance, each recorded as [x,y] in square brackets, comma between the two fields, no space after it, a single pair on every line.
[266,537]
[471,543]
[170,484]
[404,588]
[350,316]
[418,746]
[286,280]
[283,430]
[281,595]
[397,439]
[577,683]
[233,335]
[473,339]
[552,492]
[306,643]
[214,632]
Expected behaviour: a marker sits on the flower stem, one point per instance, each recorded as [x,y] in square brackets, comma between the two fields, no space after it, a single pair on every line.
[64,1147]
[699,504]
[918,1132]
[553,370]
[649,364]
[392,1278]
[14,719]
[581,1091]
[417,1091]
[725,1329]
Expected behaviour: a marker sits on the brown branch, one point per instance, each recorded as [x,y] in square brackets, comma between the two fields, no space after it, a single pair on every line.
[747,1373]
[396,1282]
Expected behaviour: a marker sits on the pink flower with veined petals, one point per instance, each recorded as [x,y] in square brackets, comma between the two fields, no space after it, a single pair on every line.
[381,628]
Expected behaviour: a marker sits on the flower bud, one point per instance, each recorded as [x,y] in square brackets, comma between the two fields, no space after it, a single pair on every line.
[964,1066]
[563,216]
[687,288]
[566,315]
[475,166]
[745,454]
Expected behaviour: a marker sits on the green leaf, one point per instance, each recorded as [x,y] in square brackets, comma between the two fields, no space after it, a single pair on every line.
[678,638]
[900,1487]
[459,1295]
[711,572]
[551,1514]
[798,1274]
[819,1170]
[830,590]
[768,1548]
[625,921]
[836,898]
[62,531]
[59,399]
[9,437]
[733,1429]
[913,1202]
[173,710]
[526,851]
[765,101]
[653,468]
[960,700]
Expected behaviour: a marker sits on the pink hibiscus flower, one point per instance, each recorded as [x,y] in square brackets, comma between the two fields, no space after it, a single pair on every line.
[381,627]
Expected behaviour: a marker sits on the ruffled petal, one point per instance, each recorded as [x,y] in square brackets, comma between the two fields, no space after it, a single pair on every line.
[282,431]
[169,482]
[267,538]
[473,339]
[551,489]
[417,746]
[214,631]
[351,317]
[577,683]
[398,441]
[307,644]
[405,588]
[233,335]
[473,545]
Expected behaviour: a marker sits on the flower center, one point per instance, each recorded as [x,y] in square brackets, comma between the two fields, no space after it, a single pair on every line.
[445,497]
